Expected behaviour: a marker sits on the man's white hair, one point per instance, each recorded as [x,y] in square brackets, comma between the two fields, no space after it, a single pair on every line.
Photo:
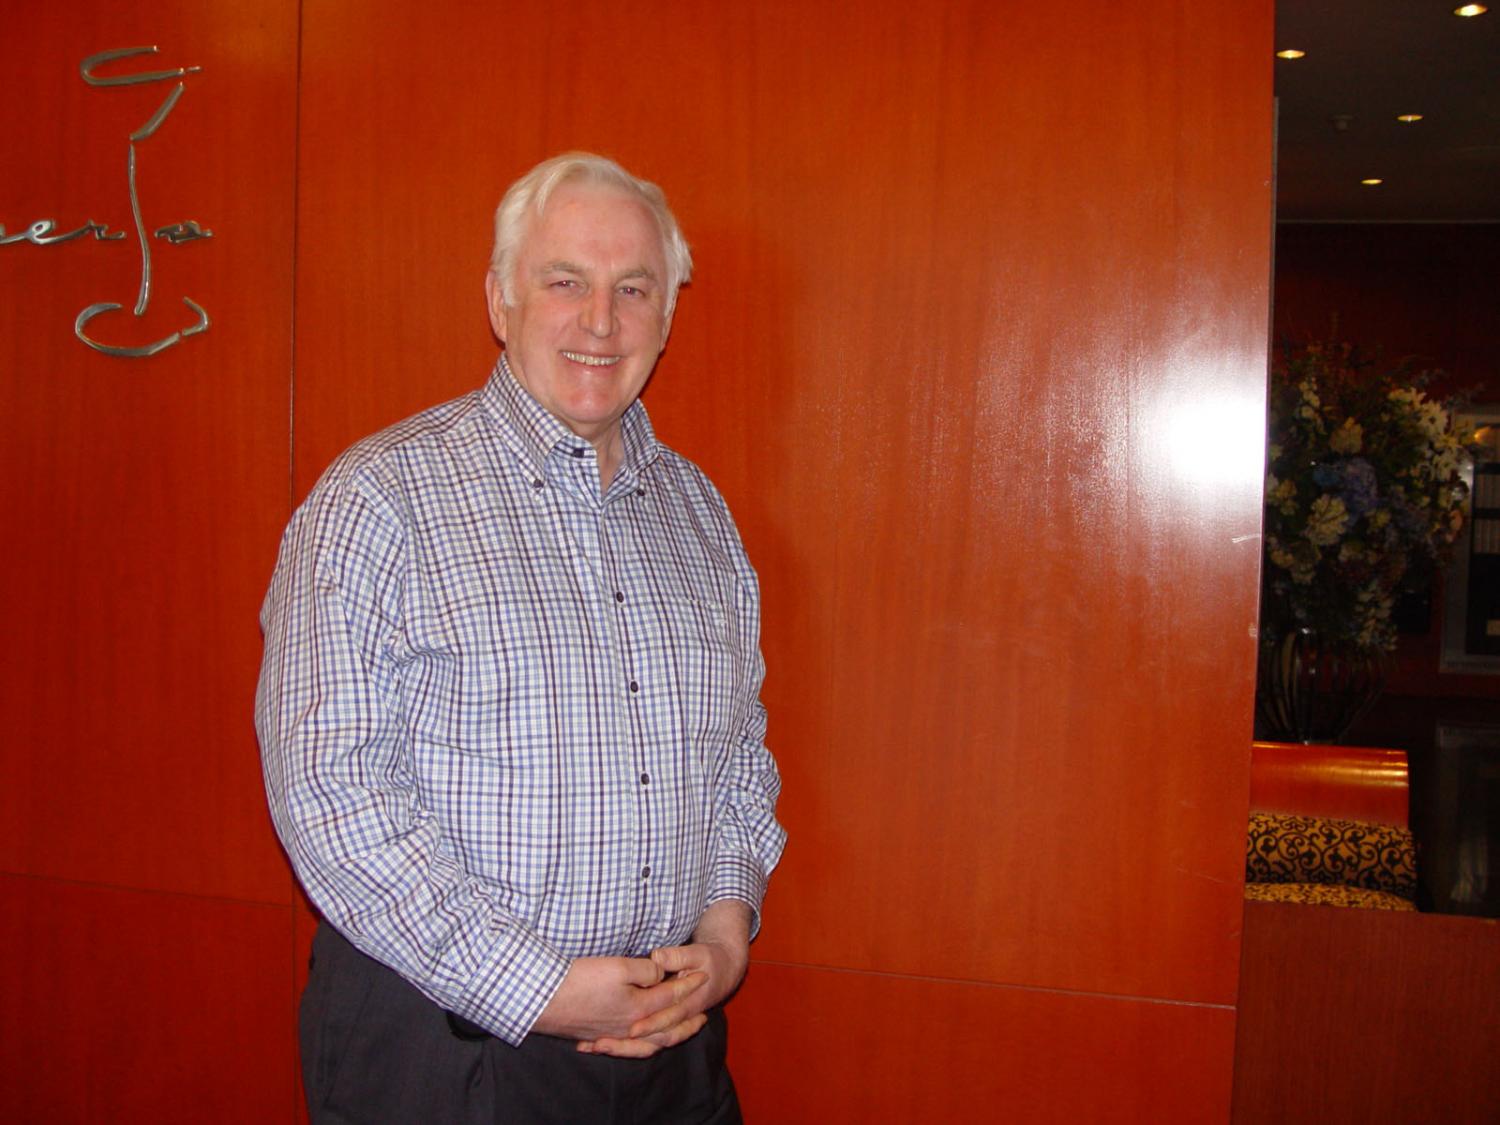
[528,196]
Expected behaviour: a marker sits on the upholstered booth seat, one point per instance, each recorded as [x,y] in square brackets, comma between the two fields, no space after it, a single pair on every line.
[1328,827]
[1327,894]
[1290,857]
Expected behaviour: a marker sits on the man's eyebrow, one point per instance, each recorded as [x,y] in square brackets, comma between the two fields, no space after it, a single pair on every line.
[564,266]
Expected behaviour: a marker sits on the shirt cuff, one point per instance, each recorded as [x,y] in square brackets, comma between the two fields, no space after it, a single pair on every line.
[738,877]
[518,979]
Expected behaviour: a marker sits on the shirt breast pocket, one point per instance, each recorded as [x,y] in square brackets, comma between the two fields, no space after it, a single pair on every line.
[698,636]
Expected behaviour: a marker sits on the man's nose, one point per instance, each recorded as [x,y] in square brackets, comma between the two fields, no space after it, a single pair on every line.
[598,312]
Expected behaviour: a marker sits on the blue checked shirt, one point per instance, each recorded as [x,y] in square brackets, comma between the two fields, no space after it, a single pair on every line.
[506,721]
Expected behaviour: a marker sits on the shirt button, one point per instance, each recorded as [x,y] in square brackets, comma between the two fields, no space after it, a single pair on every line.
[634,687]
[645,779]
[619,597]
[646,872]
[536,482]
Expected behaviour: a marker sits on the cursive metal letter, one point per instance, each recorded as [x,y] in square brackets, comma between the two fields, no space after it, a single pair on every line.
[37,230]
[154,122]
[202,325]
[100,231]
[185,231]
[144,297]
[143,350]
[86,68]
[40,233]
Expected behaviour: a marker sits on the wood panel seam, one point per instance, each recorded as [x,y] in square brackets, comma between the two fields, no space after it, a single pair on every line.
[932,979]
[159,891]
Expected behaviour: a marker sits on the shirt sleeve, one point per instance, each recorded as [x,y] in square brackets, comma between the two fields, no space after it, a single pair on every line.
[748,838]
[340,777]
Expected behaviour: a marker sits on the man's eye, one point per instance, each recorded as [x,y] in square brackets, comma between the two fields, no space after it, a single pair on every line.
[564,283]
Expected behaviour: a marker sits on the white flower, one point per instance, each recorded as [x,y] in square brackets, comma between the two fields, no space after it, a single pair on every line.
[1408,396]
[1327,521]
[1281,493]
[1449,460]
[1432,420]
[1348,438]
[1301,570]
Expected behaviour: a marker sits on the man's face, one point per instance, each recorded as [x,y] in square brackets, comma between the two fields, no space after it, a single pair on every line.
[589,316]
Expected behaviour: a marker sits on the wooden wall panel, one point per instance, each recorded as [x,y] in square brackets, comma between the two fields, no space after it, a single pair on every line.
[143,496]
[142,1008]
[1376,1016]
[146,923]
[879,1048]
[975,349]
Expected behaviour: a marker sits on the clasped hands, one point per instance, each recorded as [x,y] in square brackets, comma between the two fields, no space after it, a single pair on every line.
[632,1007]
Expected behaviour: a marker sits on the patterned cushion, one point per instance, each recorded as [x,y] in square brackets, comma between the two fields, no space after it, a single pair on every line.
[1283,848]
[1327,894]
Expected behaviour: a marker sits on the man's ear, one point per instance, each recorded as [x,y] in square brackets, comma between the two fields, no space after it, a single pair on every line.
[494,297]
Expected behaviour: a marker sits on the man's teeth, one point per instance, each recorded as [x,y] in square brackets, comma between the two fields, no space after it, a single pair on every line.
[591,360]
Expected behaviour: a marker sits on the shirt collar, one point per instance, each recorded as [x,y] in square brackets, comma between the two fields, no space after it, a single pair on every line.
[534,434]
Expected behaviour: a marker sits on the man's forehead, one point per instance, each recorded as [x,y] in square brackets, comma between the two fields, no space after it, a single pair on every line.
[584,224]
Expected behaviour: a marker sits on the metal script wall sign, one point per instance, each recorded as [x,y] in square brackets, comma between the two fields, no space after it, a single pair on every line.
[43,231]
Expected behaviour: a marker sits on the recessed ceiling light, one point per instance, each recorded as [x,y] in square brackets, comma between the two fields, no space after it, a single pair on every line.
[1470,10]
[1409,118]
[1290,53]
[1372,181]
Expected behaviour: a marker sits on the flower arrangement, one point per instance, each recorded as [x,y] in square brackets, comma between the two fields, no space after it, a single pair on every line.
[1363,494]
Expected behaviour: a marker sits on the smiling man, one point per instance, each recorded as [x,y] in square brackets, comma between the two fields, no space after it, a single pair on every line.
[584,309]
[509,714]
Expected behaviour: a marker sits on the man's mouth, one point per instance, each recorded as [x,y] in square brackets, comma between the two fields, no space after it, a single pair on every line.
[592,360]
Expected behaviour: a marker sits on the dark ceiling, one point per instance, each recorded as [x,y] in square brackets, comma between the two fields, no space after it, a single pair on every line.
[1368,61]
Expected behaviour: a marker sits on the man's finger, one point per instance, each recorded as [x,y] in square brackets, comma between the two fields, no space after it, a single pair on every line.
[642,971]
[673,958]
[679,1032]
[631,1048]
[673,1013]
[684,985]
[620,1048]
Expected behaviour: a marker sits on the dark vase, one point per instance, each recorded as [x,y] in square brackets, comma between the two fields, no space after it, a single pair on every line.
[1313,689]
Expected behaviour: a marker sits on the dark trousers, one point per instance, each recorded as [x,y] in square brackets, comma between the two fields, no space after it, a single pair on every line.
[376,1051]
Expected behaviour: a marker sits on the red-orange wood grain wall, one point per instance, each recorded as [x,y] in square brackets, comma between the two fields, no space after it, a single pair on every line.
[975,349]
[145,909]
